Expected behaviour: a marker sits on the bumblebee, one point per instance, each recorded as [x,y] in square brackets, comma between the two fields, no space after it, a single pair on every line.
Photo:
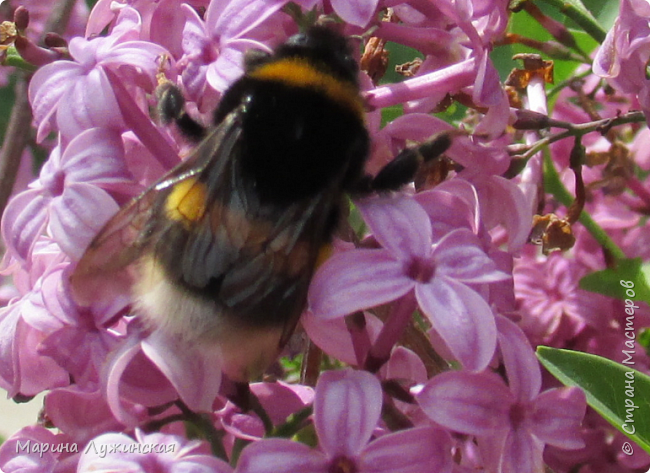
[220,252]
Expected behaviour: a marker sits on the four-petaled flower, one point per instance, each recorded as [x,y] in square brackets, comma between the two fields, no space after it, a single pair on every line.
[511,423]
[438,272]
[347,407]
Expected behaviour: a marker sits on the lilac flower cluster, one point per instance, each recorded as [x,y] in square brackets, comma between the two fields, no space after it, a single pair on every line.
[434,311]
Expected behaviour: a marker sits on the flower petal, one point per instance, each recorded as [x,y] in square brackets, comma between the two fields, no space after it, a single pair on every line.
[78,215]
[405,364]
[522,452]
[15,457]
[558,415]
[487,87]
[334,337]
[355,13]
[462,318]
[80,414]
[23,222]
[524,375]
[46,88]
[607,61]
[399,224]
[347,407]
[195,374]
[88,102]
[356,280]
[116,364]
[96,156]
[513,212]
[240,17]
[460,256]
[280,456]
[476,404]
[95,456]
[409,451]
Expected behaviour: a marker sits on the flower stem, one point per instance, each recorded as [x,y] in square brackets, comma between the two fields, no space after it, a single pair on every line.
[237,448]
[257,408]
[294,423]
[59,17]
[639,189]
[14,59]
[554,185]
[15,141]
[206,429]
[400,316]
[582,129]
[356,324]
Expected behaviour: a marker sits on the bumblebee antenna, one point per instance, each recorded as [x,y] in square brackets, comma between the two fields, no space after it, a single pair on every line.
[365,35]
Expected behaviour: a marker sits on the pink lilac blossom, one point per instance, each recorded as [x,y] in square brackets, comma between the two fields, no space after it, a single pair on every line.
[70,197]
[457,59]
[23,370]
[213,49]
[512,423]
[555,308]
[347,407]
[76,94]
[623,56]
[81,413]
[484,162]
[436,271]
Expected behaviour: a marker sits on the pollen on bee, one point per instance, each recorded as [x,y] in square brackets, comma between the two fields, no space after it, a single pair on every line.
[187,201]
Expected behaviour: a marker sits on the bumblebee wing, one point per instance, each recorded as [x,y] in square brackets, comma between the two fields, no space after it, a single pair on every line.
[251,257]
[126,235]
[253,262]
[267,292]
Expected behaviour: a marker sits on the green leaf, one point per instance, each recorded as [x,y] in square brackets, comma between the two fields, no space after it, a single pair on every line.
[604,11]
[356,221]
[388,114]
[626,281]
[644,339]
[645,270]
[398,54]
[617,392]
[576,10]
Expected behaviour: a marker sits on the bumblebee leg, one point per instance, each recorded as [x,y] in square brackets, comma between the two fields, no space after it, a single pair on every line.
[171,108]
[401,170]
[246,400]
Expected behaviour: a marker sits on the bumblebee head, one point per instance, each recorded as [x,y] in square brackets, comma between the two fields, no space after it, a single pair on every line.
[325,49]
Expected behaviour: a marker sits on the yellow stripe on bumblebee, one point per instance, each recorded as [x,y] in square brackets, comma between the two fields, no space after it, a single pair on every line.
[298,72]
